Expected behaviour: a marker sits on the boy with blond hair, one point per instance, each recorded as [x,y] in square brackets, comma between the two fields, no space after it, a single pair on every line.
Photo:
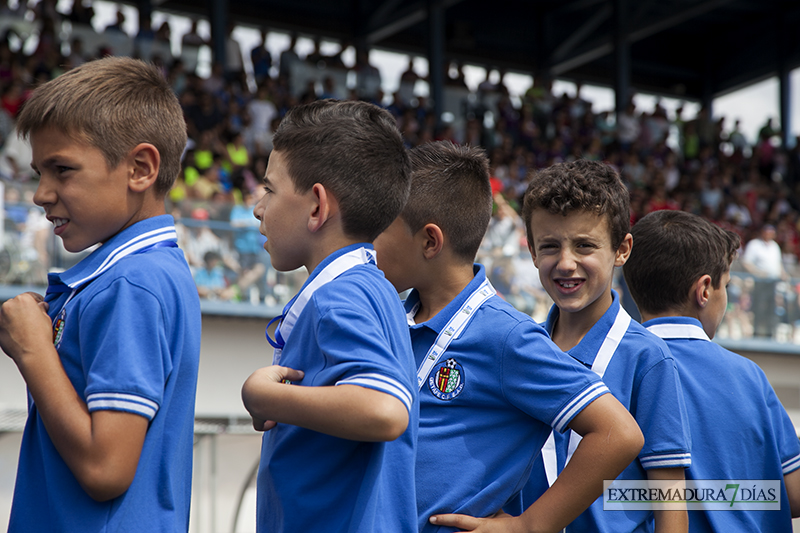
[338,406]
[677,274]
[110,356]
[577,217]
[492,386]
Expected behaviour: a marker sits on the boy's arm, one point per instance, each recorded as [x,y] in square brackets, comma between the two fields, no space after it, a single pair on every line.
[102,448]
[792,482]
[611,440]
[345,411]
[669,521]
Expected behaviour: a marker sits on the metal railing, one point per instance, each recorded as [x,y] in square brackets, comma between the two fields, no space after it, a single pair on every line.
[234,275]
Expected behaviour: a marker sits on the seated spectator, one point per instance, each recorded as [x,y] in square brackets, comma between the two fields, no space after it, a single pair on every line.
[288,57]
[261,59]
[249,244]
[118,26]
[190,47]
[210,279]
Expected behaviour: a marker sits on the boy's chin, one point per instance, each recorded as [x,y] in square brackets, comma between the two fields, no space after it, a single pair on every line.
[75,248]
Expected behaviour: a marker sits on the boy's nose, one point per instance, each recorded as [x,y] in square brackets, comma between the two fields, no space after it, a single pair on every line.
[566,261]
[257,210]
[44,194]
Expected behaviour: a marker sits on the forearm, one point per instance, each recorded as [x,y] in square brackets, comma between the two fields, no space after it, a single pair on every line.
[792,482]
[597,458]
[92,453]
[347,411]
[672,521]
[611,440]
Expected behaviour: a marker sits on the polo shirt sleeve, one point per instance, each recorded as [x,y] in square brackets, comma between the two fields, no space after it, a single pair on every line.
[360,348]
[659,409]
[783,429]
[544,382]
[124,350]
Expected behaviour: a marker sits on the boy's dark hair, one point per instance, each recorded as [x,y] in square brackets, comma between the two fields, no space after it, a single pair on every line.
[355,150]
[450,188]
[671,251]
[580,185]
[112,104]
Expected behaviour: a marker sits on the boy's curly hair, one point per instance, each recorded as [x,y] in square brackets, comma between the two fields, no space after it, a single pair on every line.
[580,185]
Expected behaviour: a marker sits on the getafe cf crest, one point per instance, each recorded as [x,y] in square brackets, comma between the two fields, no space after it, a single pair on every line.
[58,327]
[446,380]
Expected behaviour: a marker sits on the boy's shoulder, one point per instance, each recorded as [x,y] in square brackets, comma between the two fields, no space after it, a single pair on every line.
[643,349]
[708,356]
[355,284]
[362,293]
[505,317]
[145,254]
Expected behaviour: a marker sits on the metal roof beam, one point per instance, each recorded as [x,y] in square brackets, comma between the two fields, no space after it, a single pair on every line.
[415,15]
[582,33]
[606,46]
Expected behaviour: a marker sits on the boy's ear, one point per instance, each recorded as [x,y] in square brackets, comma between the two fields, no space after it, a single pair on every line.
[324,207]
[701,291]
[432,240]
[145,162]
[624,251]
[532,250]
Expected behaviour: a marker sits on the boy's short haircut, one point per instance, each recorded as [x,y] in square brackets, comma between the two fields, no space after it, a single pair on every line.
[671,251]
[354,150]
[580,185]
[450,188]
[113,104]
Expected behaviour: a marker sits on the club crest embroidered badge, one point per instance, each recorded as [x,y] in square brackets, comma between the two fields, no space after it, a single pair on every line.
[446,380]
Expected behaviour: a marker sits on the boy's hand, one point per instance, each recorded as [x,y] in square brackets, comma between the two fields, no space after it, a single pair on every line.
[499,522]
[25,327]
[262,378]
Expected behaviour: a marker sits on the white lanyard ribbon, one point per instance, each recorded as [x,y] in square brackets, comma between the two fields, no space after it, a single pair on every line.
[337,267]
[601,361]
[678,331]
[452,330]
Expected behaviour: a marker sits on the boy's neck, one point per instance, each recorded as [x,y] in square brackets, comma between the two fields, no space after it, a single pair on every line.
[687,311]
[572,327]
[325,248]
[442,287]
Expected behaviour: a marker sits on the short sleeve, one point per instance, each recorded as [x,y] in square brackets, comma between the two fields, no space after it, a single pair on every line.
[360,348]
[124,350]
[785,433]
[544,382]
[660,411]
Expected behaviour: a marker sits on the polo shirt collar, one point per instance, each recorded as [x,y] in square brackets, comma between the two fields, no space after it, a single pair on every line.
[442,318]
[586,350]
[332,257]
[128,241]
[677,327]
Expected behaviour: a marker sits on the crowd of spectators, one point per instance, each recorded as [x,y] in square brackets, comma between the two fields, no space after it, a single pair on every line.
[666,160]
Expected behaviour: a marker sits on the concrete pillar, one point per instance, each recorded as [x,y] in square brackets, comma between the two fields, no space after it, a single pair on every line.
[622,56]
[218,17]
[436,56]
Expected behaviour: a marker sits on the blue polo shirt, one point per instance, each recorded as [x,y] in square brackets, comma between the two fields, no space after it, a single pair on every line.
[739,428]
[351,331]
[477,441]
[642,376]
[127,330]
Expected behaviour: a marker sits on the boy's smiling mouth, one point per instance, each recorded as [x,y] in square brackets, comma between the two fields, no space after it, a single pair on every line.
[569,283]
[58,224]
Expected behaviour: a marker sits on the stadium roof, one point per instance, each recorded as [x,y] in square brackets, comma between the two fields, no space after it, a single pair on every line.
[693,49]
